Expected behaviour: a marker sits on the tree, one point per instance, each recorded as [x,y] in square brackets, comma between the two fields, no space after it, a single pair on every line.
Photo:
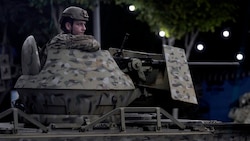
[52,9]
[39,18]
[18,18]
[182,18]
[179,19]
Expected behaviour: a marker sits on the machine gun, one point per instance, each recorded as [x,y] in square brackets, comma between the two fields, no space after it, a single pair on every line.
[159,76]
[167,71]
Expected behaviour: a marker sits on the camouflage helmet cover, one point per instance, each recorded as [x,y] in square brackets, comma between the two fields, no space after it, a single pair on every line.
[75,13]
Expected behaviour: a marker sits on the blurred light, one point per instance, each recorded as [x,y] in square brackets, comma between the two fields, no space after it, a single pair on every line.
[200,47]
[162,33]
[226,33]
[131,8]
[239,56]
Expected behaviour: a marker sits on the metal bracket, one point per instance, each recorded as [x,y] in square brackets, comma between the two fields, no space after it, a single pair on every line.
[16,112]
[123,110]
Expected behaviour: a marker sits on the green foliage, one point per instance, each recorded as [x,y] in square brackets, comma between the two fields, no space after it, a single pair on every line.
[179,17]
[176,17]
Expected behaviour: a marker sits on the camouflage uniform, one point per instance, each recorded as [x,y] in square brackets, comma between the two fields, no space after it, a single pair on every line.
[69,41]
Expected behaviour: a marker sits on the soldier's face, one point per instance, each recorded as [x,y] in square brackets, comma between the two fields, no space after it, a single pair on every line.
[78,27]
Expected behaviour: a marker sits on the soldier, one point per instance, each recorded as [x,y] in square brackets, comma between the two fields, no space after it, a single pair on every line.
[73,24]
[73,20]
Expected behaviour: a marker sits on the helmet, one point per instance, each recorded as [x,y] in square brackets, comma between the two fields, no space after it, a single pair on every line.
[75,13]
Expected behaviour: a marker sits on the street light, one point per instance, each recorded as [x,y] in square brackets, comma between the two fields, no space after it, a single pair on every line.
[131,8]
[200,47]
[239,56]
[162,33]
[226,33]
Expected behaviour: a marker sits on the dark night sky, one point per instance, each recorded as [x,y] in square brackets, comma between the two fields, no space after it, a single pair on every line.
[117,21]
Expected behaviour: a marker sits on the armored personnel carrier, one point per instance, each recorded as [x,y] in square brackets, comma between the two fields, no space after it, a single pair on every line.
[103,95]
[75,82]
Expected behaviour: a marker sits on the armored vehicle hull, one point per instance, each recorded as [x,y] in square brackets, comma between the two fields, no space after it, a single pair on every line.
[74,102]
[74,82]
[81,95]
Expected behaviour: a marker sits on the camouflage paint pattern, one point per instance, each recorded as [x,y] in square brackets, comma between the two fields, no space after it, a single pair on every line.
[75,62]
[47,97]
[77,78]
[69,41]
[75,69]
[179,77]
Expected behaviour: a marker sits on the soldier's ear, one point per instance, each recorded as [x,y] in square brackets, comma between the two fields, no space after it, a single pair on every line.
[68,26]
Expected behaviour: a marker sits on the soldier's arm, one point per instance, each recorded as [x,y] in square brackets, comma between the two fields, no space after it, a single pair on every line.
[81,42]
[86,43]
